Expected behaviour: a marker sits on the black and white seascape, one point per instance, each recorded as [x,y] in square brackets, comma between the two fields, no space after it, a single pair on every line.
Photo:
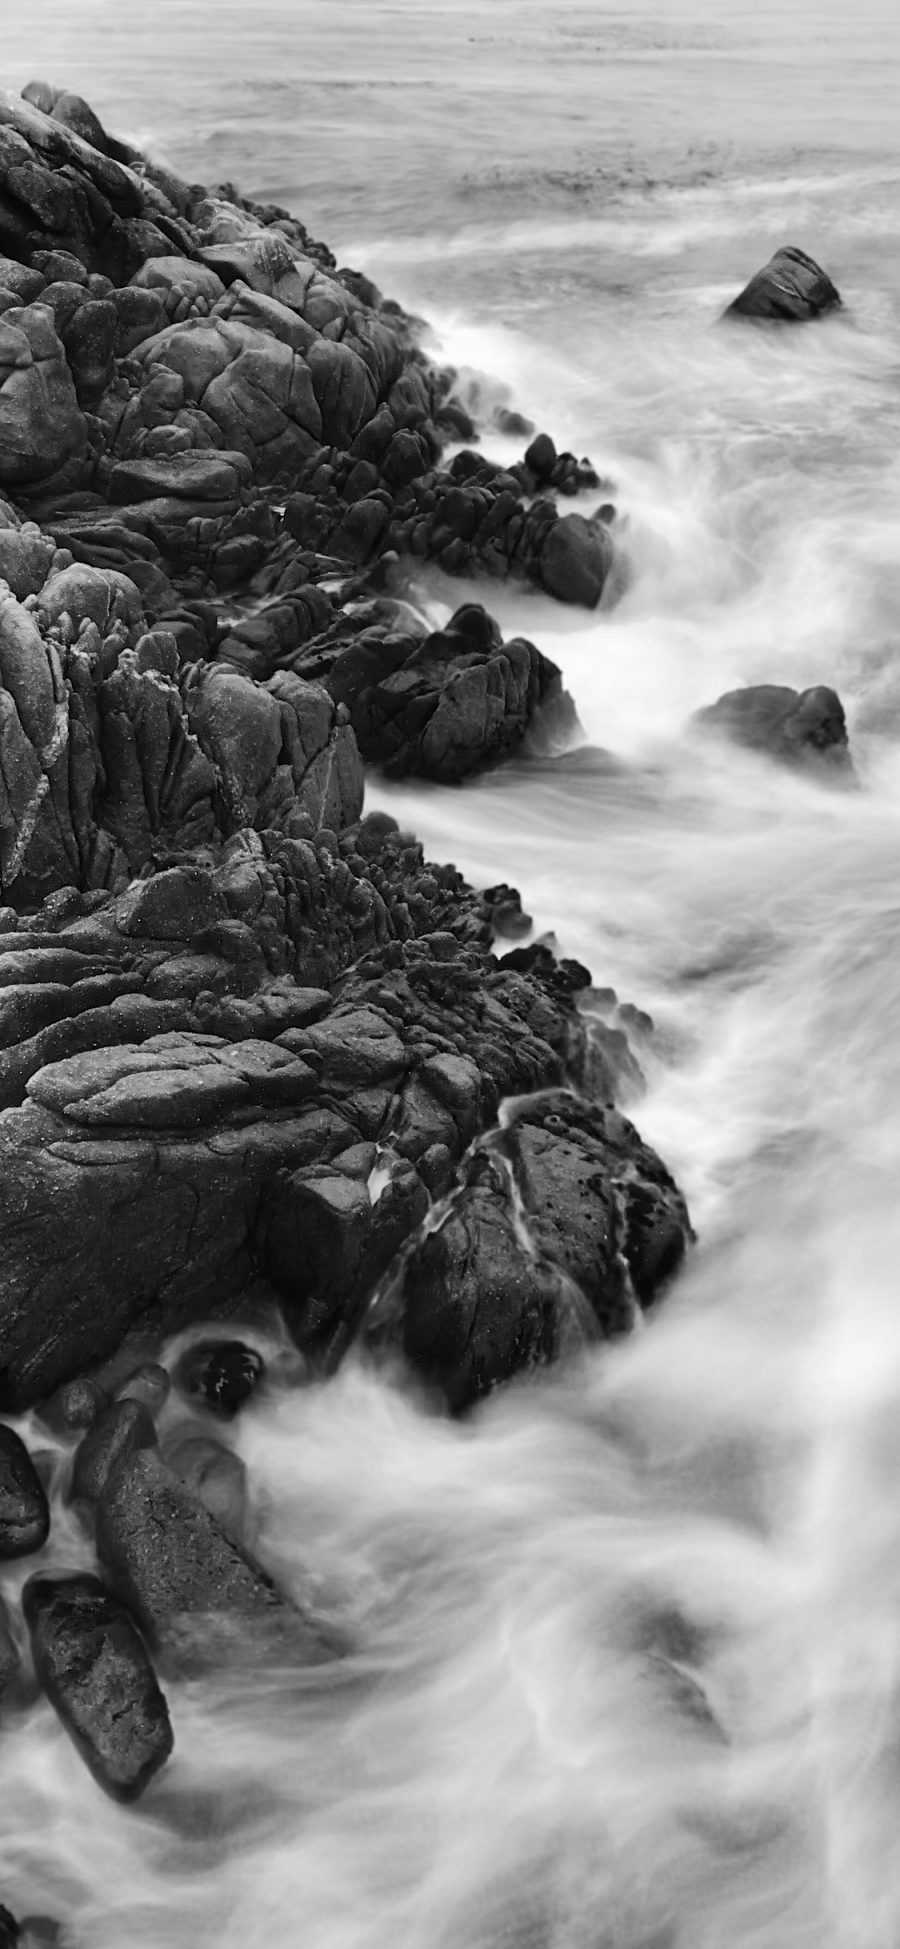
[449,996]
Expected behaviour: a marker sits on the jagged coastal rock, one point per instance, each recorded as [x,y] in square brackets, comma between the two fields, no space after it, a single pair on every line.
[790,289]
[254,1047]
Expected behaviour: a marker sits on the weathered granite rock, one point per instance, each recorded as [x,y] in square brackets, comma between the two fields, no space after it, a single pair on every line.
[445,704]
[564,1226]
[473,516]
[42,429]
[265,1055]
[181,1084]
[790,288]
[95,1671]
[806,728]
[24,1511]
[104,761]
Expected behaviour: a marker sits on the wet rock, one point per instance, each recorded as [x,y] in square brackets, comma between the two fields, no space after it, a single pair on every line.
[559,1232]
[444,705]
[806,728]
[24,1511]
[122,1430]
[95,1671]
[478,1309]
[791,288]
[189,1584]
[223,1374]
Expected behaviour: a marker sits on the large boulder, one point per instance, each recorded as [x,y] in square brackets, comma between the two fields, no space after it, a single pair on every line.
[806,728]
[92,1664]
[791,288]
[564,1227]
[43,435]
[576,558]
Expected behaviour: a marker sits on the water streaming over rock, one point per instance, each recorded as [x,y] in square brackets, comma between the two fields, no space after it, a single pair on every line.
[628,1665]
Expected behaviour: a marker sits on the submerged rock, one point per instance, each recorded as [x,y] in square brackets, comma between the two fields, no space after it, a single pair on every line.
[791,288]
[92,1664]
[805,727]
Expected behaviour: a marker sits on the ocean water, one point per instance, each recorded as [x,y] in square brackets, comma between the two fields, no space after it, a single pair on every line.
[628,1667]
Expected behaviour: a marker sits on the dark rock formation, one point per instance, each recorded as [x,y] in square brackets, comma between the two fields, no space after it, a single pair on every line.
[95,1671]
[805,727]
[105,762]
[790,288]
[565,1224]
[223,1374]
[245,1036]
[180,1084]
[24,1511]
[445,704]
[121,1431]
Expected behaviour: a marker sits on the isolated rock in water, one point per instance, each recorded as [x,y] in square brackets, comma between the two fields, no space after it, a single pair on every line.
[189,1584]
[96,1673]
[791,287]
[798,727]
[576,559]
[563,1227]
[24,1511]
[223,1373]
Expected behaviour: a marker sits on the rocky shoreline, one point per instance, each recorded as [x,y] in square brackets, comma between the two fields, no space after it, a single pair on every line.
[257,1052]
